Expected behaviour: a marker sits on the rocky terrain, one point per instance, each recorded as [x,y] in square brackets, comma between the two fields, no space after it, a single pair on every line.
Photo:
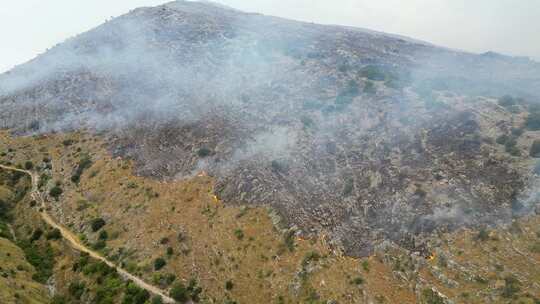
[353,134]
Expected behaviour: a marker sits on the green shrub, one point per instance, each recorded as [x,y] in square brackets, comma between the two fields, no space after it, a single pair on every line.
[372,72]
[54,234]
[42,258]
[135,295]
[68,142]
[482,235]
[36,235]
[533,121]
[507,101]
[431,297]
[365,265]
[97,224]
[517,132]
[288,239]
[179,293]
[84,163]
[159,263]
[349,186]
[309,257]
[535,149]
[55,192]
[369,88]
[57,299]
[204,152]
[28,165]
[239,234]
[229,285]
[511,287]
[103,235]
[100,244]
[501,140]
[358,281]
[76,289]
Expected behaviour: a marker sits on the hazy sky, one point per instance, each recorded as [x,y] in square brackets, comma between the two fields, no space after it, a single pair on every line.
[29,27]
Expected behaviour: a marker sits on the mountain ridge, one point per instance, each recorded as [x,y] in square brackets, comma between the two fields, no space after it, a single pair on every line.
[361,136]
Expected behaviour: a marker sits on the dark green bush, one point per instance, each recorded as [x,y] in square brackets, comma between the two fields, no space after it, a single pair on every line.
[42,258]
[76,289]
[535,149]
[97,224]
[229,285]
[84,163]
[55,192]
[100,244]
[239,234]
[135,295]
[372,72]
[157,300]
[288,239]
[54,234]
[179,293]
[103,235]
[204,152]
[358,281]
[349,186]
[369,88]
[68,142]
[431,297]
[507,101]
[36,235]
[501,140]
[159,263]
[28,165]
[57,299]
[533,121]
[482,235]
[517,132]
[511,287]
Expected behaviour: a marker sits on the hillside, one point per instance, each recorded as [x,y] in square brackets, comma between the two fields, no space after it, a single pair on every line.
[283,157]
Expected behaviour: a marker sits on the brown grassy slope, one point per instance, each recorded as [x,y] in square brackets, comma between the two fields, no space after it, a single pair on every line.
[211,242]
[16,284]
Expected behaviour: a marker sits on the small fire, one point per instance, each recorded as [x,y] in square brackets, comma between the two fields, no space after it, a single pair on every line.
[216,199]
[430,257]
[203,173]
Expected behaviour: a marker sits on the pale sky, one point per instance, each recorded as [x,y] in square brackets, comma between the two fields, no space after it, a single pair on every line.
[29,27]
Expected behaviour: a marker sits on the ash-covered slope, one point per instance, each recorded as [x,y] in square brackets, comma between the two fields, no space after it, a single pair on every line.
[356,134]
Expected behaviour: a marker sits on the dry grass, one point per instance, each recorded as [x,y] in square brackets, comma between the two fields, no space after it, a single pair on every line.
[203,233]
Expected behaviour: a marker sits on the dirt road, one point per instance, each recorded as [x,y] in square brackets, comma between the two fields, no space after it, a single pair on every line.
[76,243]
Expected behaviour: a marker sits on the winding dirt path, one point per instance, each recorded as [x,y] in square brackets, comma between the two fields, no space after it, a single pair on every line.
[76,243]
